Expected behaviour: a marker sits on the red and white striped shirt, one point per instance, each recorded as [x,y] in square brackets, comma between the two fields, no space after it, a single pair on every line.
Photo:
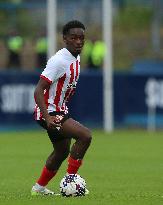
[62,72]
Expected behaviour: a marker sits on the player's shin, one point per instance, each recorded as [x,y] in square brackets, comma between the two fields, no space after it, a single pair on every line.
[73,165]
[46,176]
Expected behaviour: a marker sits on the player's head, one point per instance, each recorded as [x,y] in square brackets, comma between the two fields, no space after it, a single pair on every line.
[73,36]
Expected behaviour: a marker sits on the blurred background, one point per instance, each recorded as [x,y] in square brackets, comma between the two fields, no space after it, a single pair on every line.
[137,31]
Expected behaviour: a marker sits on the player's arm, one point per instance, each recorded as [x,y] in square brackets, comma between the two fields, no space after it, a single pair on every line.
[39,98]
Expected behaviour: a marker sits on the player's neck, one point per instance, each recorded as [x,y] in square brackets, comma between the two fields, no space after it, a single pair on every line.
[74,54]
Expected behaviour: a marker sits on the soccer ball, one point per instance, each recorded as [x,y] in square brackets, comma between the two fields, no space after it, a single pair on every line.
[72,185]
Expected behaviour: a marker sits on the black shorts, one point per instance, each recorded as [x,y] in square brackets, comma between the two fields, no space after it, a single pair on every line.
[54,134]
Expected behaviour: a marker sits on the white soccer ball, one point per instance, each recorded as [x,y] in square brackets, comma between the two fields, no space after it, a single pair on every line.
[72,185]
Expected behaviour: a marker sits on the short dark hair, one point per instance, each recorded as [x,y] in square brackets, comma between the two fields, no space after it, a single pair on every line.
[72,24]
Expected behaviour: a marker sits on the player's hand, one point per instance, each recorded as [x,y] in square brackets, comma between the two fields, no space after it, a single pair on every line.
[53,122]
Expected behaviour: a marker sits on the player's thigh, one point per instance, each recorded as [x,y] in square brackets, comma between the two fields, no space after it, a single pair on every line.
[73,129]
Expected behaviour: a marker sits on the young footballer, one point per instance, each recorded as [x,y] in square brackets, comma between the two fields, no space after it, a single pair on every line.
[57,84]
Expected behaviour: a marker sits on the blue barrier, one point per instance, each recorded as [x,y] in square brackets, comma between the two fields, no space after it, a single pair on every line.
[132,96]
[16,97]
[148,67]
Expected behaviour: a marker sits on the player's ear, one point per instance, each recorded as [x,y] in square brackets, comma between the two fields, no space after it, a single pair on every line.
[64,38]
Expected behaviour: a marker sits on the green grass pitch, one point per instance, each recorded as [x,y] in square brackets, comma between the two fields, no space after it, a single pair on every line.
[122,168]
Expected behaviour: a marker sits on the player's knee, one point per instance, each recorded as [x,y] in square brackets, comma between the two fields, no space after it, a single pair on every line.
[58,157]
[87,137]
[65,154]
[62,156]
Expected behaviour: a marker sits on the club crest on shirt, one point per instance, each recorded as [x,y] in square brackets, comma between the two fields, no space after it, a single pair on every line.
[72,85]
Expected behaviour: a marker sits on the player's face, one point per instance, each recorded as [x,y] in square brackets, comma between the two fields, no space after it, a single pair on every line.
[74,40]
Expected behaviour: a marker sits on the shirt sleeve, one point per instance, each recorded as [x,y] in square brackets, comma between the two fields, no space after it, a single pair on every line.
[53,70]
